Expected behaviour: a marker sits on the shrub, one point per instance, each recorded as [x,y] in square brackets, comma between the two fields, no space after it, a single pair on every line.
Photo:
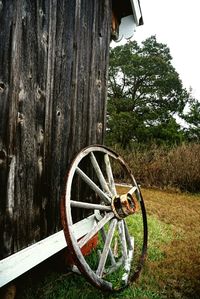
[161,167]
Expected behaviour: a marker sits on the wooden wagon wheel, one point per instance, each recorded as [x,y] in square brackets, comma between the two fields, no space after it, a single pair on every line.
[118,256]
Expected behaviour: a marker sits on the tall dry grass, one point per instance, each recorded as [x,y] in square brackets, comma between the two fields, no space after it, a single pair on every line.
[176,168]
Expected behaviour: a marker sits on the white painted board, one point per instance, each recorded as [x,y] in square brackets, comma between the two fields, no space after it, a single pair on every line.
[22,261]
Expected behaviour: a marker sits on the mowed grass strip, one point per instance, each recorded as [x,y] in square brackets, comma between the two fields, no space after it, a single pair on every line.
[178,274]
[172,269]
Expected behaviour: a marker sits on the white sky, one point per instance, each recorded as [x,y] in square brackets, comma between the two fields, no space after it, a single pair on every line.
[177,24]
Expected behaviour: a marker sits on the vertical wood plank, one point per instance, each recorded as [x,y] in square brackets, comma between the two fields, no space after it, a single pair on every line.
[53,78]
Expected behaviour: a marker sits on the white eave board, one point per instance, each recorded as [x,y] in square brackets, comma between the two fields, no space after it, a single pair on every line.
[129,23]
[136,11]
[127,27]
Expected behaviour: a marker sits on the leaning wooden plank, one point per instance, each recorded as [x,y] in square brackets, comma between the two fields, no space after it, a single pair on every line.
[22,261]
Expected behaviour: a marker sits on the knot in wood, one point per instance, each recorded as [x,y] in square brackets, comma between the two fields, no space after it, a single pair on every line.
[99,128]
[2,85]
[3,156]
[20,118]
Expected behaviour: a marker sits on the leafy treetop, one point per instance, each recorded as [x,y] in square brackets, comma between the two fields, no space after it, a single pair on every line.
[144,94]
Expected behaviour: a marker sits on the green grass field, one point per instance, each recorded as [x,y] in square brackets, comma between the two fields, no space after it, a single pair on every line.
[172,269]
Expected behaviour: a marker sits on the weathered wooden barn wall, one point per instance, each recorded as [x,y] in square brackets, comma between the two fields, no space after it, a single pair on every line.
[53,73]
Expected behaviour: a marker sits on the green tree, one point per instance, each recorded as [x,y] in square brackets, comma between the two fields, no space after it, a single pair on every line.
[192,118]
[144,94]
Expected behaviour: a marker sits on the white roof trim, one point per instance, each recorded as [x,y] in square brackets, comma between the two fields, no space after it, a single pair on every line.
[128,24]
[136,11]
[127,27]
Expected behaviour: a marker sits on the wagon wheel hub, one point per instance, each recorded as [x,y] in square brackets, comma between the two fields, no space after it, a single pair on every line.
[124,205]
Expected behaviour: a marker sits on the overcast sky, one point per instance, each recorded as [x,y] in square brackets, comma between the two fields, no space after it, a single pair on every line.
[177,24]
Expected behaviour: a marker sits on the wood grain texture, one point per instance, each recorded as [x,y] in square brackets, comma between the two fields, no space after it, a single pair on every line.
[53,82]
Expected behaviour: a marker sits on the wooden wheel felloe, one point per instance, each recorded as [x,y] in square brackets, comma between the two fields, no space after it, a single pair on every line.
[118,215]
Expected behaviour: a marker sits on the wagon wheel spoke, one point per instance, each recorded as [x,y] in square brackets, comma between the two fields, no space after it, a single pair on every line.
[106,248]
[93,186]
[123,239]
[112,258]
[110,175]
[99,174]
[95,229]
[90,206]
[129,240]
[109,229]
